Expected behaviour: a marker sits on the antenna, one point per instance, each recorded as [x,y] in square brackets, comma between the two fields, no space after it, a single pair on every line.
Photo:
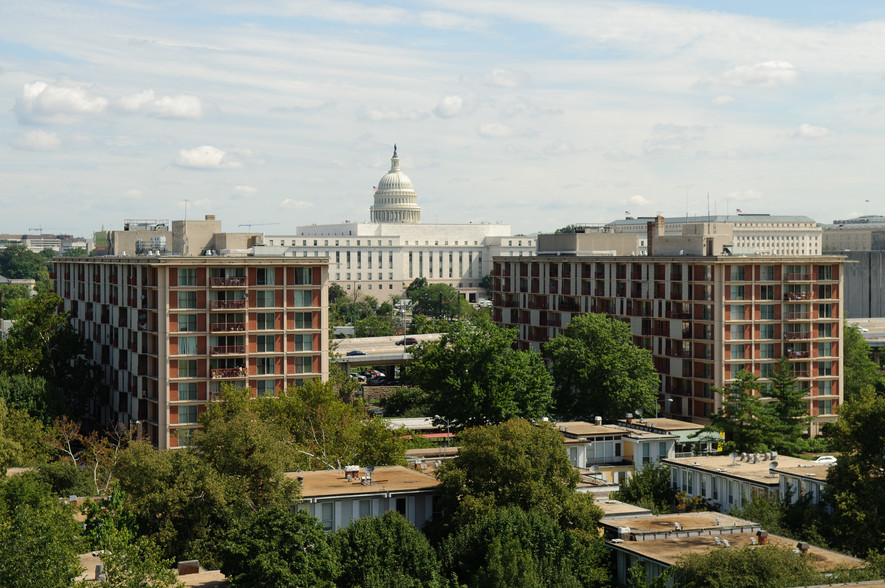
[733,456]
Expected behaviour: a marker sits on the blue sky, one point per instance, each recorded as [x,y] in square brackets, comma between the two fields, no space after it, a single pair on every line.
[533,114]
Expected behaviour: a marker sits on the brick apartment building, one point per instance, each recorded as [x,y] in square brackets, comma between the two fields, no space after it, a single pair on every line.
[167,331]
[704,317]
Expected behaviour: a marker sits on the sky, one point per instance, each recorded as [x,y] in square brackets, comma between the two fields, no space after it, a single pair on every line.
[274,114]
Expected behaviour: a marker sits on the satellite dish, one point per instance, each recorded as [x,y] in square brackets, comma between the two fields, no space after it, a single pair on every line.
[594,469]
[370,469]
[772,465]
[733,456]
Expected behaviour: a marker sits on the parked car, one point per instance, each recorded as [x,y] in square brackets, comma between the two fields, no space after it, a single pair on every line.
[407,341]
[826,459]
[358,377]
[356,352]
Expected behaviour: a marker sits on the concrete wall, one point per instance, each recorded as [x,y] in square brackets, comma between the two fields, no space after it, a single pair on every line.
[586,243]
[864,284]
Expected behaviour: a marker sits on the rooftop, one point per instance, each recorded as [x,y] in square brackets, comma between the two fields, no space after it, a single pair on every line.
[384,479]
[663,424]
[616,509]
[809,469]
[719,218]
[723,465]
[688,522]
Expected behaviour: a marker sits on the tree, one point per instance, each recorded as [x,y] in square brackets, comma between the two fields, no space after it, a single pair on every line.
[787,409]
[566,229]
[33,394]
[533,461]
[417,284]
[336,293]
[759,565]
[855,483]
[374,326]
[280,548]
[23,440]
[742,416]
[13,296]
[17,262]
[475,377]
[513,547]
[76,252]
[39,538]
[860,371]
[407,402]
[649,488]
[487,283]
[422,324]
[598,370]
[385,551]
[439,300]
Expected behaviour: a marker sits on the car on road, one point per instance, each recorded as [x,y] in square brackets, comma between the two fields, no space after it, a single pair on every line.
[407,341]
[356,352]
[826,459]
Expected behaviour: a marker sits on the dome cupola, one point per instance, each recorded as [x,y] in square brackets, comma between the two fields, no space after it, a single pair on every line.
[395,198]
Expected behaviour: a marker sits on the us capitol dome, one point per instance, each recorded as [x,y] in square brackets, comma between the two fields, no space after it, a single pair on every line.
[395,198]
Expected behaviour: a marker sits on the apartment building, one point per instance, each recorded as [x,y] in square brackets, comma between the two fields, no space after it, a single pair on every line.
[704,316]
[167,331]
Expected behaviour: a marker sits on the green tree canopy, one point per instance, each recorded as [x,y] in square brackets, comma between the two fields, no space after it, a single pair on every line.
[860,371]
[280,548]
[14,296]
[743,418]
[787,409]
[17,262]
[599,371]
[385,551]
[475,377]
[649,488]
[439,300]
[531,459]
[374,326]
[417,284]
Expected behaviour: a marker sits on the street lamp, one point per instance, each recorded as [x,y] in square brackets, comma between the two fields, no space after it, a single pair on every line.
[441,418]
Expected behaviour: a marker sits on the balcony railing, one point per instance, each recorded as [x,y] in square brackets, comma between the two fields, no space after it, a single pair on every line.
[231,281]
[794,315]
[802,373]
[791,335]
[798,354]
[227,349]
[807,295]
[798,277]
[226,304]
[235,372]
[227,327]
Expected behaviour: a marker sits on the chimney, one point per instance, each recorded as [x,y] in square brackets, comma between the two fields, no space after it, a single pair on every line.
[210,217]
[629,418]
[191,566]
[803,548]
[650,235]
[659,225]
[763,537]
[598,421]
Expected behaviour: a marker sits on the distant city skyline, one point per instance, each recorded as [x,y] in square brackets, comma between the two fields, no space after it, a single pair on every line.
[538,115]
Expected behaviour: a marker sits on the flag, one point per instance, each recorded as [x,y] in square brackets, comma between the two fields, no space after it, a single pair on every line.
[627,212]
[740,211]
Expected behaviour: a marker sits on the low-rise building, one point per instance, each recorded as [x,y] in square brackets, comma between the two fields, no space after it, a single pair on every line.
[801,480]
[338,497]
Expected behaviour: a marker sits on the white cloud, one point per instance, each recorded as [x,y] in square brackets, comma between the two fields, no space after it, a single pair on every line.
[38,141]
[638,200]
[377,114]
[497,130]
[181,106]
[764,74]
[721,100]
[207,157]
[560,148]
[506,78]
[133,194]
[246,190]
[672,137]
[807,131]
[298,204]
[41,103]
[618,155]
[742,195]
[455,105]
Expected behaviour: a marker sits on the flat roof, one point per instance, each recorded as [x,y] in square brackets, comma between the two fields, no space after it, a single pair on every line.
[809,469]
[385,479]
[668,551]
[723,465]
[617,509]
[689,521]
[585,429]
[662,423]
[197,260]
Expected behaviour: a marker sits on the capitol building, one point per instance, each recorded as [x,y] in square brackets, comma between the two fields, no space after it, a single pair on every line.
[383,256]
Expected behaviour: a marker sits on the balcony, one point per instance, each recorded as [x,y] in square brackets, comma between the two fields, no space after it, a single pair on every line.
[798,354]
[677,314]
[796,277]
[236,281]
[801,373]
[793,335]
[227,349]
[235,372]
[570,306]
[794,316]
[799,296]
[227,304]
[227,327]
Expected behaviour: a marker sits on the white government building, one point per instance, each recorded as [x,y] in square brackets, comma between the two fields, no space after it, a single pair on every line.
[383,256]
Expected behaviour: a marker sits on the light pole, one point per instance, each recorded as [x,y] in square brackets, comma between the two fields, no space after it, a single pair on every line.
[441,418]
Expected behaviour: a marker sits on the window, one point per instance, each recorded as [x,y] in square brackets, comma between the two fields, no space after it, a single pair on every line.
[662,450]
[738,312]
[187,414]
[303,320]
[265,276]
[304,275]
[187,300]
[825,368]
[766,370]
[185,437]
[303,342]
[737,273]
[265,343]
[766,331]
[737,292]
[824,272]
[187,323]
[825,330]
[187,346]
[303,298]
[766,292]
[825,349]
[766,312]
[303,365]
[187,368]
[738,332]
[825,406]
[825,387]
[265,321]
[266,365]
[766,273]
[646,452]
[265,298]
[264,388]
[187,391]
[766,351]
[187,277]
[327,515]
[365,508]
[737,352]
[401,506]
[825,310]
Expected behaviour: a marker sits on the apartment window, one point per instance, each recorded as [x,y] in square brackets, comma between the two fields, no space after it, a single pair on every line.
[265,298]
[737,292]
[662,450]
[766,312]
[825,310]
[264,276]
[187,368]
[766,292]
[824,272]
[327,515]
[303,342]
[187,277]
[303,298]
[825,387]
[304,275]
[303,320]
[365,508]
[825,368]
[766,331]
[303,365]
[737,352]
[266,365]
[737,273]
[766,273]
[187,391]
[738,312]
[187,346]
[265,321]
[737,332]
[185,437]
[735,369]
[825,349]
[766,351]
[187,323]
[187,414]
[265,343]
[825,406]
[187,300]
[766,370]
[646,452]
[825,330]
